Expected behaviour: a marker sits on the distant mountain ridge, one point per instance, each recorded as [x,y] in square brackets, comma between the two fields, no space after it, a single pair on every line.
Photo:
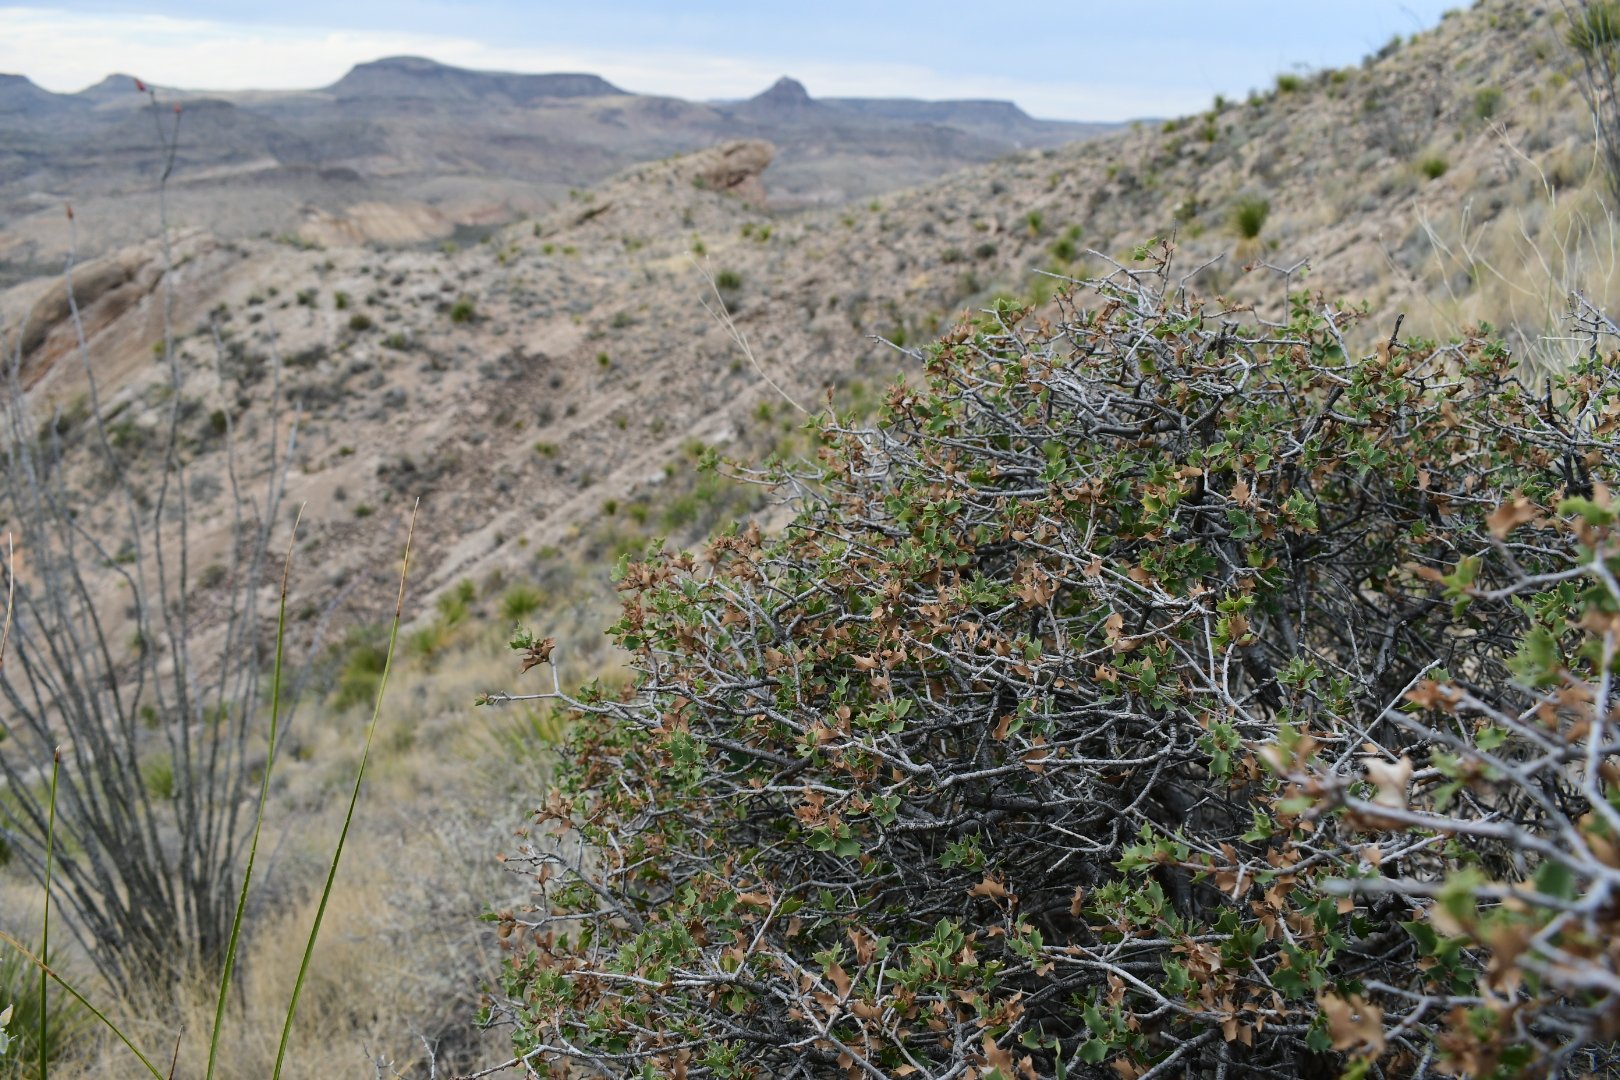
[418,77]
[450,145]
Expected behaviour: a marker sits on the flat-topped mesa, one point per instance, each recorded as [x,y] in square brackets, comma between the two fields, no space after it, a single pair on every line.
[399,77]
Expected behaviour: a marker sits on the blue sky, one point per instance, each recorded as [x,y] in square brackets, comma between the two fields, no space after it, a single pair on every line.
[1079,59]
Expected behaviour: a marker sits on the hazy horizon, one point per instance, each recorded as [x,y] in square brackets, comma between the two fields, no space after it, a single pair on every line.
[1093,63]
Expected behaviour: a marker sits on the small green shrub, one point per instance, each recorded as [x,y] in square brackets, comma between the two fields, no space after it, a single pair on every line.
[428,641]
[453,606]
[340,300]
[364,657]
[1433,167]
[157,776]
[360,322]
[1250,215]
[1288,84]
[521,601]
[1066,248]
[728,281]
[1487,101]
[463,310]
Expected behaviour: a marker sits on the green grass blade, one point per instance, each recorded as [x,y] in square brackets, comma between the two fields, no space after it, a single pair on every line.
[45,929]
[73,992]
[258,819]
[354,798]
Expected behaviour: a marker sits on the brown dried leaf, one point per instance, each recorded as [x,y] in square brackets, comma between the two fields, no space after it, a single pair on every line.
[997,1058]
[1391,779]
[865,946]
[1510,515]
[990,888]
[538,653]
[1353,1022]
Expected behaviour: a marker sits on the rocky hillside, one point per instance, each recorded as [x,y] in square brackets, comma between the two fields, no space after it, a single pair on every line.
[407,150]
[546,391]
[538,386]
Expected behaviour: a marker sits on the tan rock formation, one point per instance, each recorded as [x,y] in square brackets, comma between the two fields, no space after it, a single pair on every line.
[388,223]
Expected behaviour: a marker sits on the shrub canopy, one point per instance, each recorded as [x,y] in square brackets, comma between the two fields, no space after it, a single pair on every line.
[1157,692]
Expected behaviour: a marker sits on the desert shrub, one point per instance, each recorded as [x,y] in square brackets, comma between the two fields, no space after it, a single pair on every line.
[364,657]
[1141,694]
[728,281]
[1433,167]
[1487,100]
[521,601]
[1593,26]
[1288,84]
[1250,216]
[1066,248]
[463,310]
[360,322]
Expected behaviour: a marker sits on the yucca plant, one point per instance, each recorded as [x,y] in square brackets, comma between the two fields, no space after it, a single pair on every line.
[1249,216]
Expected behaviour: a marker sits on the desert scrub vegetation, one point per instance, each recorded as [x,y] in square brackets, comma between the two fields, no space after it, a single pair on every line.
[1148,692]
[140,723]
[149,883]
[1249,216]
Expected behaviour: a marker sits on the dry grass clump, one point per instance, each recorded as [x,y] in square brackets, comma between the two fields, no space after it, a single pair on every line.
[398,970]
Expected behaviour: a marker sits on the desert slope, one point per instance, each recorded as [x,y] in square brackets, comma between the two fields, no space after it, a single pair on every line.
[588,357]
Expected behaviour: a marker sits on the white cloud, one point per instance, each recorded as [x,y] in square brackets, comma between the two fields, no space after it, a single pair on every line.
[66,51]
